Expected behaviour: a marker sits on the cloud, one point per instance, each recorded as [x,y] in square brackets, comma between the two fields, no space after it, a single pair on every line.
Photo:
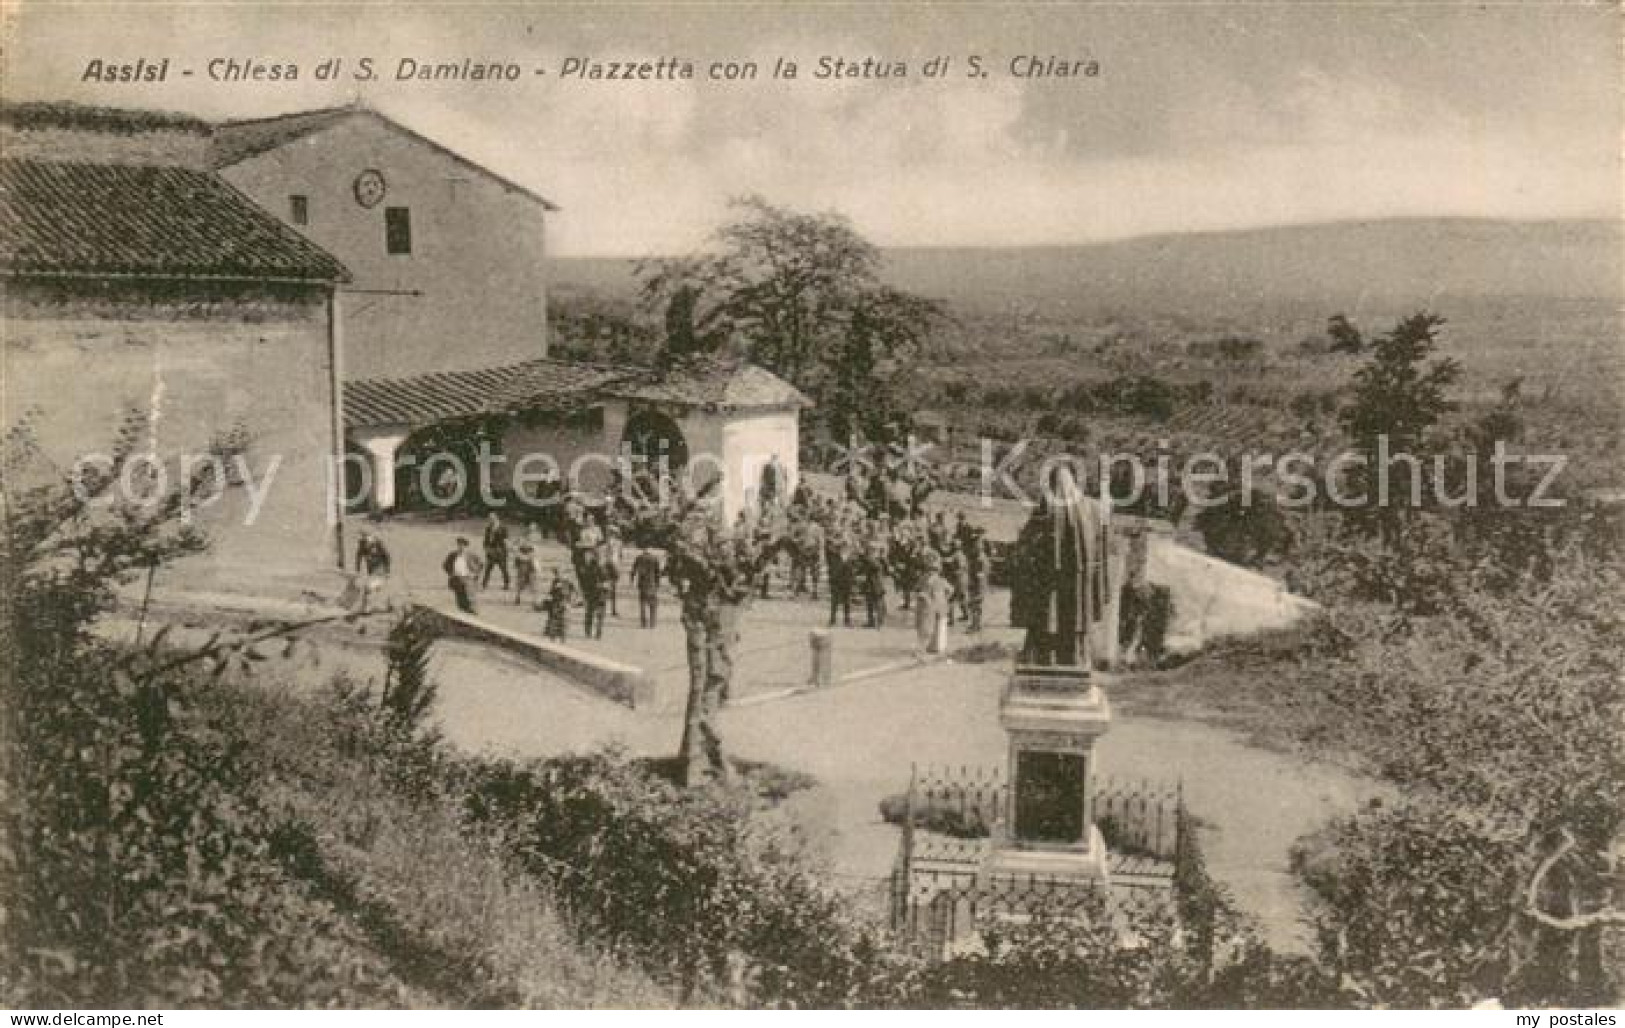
[1204,118]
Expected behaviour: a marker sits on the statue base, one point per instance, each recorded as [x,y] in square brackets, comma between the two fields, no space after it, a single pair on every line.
[1055,701]
[1052,717]
[1083,864]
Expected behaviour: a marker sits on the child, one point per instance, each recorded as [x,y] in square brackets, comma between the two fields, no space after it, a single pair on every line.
[559,596]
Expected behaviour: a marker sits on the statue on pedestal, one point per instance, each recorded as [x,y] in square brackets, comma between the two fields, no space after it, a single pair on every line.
[1058,575]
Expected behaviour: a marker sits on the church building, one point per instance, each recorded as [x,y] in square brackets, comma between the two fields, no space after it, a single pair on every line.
[445,323]
[148,301]
[447,258]
[317,285]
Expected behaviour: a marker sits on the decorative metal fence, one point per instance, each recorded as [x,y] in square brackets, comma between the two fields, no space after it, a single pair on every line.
[939,886]
[1140,817]
[943,910]
[1143,818]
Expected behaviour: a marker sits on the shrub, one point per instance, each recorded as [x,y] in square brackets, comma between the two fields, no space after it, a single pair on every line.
[683,882]
[141,869]
[408,692]
[1147,613]
[1244,528]
[1499,716]
[1117,954]
[1395,909]
[1229,348]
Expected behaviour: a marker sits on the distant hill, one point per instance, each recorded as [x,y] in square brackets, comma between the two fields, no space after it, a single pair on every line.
[1376,265]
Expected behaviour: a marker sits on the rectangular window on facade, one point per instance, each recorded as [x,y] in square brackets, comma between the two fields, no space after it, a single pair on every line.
[398,229]
[299,209]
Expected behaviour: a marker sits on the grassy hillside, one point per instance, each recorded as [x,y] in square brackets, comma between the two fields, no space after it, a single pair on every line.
[1538,303]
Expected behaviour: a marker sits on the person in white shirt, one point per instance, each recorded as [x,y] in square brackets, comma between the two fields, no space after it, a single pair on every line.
[461,568]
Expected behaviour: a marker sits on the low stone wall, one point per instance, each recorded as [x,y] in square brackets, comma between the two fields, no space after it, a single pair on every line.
[622,683]
[1214,598]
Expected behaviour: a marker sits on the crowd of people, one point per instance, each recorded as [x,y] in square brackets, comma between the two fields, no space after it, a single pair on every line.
[598,555]
[883,558]
[879,556]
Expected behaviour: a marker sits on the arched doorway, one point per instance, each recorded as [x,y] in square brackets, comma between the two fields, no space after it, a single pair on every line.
[658,452]
[655,441]
[441,467]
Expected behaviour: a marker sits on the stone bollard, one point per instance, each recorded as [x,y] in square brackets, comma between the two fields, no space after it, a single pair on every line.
[823,658]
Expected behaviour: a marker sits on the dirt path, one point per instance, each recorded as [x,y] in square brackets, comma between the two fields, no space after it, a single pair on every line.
[860,741]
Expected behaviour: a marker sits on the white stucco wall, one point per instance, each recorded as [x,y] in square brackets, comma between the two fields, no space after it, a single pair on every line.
[1214,598]
[736,445]
[473,291]
[745,443]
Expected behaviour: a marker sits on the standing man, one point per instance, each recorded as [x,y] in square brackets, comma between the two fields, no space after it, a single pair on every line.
[773,483]
[614,551]
[461,567]
[874,572]
[584,544]
[496,552]
[838,557]
[953,572]
[932,611]
[812,555]
[646,579]
[592,593]
[963,532]
[978,565]
[372,566]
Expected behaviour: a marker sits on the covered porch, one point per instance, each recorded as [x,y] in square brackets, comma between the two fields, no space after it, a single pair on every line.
[528,434]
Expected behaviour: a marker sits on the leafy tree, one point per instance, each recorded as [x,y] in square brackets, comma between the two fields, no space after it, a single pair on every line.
[588,326]
[690,328]
[1345,338]
[1245,528]
[801,295]
[857,386]
[1399,396]
[712,569]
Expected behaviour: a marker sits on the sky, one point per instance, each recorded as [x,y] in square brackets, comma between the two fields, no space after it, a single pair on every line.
[1204,116]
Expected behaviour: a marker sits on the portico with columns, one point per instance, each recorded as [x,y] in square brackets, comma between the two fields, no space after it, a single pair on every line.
[703,419]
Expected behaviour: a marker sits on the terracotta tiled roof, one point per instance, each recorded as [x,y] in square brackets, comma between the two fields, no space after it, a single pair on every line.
[713,383]
[442,396]
[559,385]
[61,114]
[239,140]
[122,219]
[236,141]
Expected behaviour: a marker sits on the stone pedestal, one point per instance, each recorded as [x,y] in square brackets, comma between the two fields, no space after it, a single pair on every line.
[822,646]
[1052,715]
